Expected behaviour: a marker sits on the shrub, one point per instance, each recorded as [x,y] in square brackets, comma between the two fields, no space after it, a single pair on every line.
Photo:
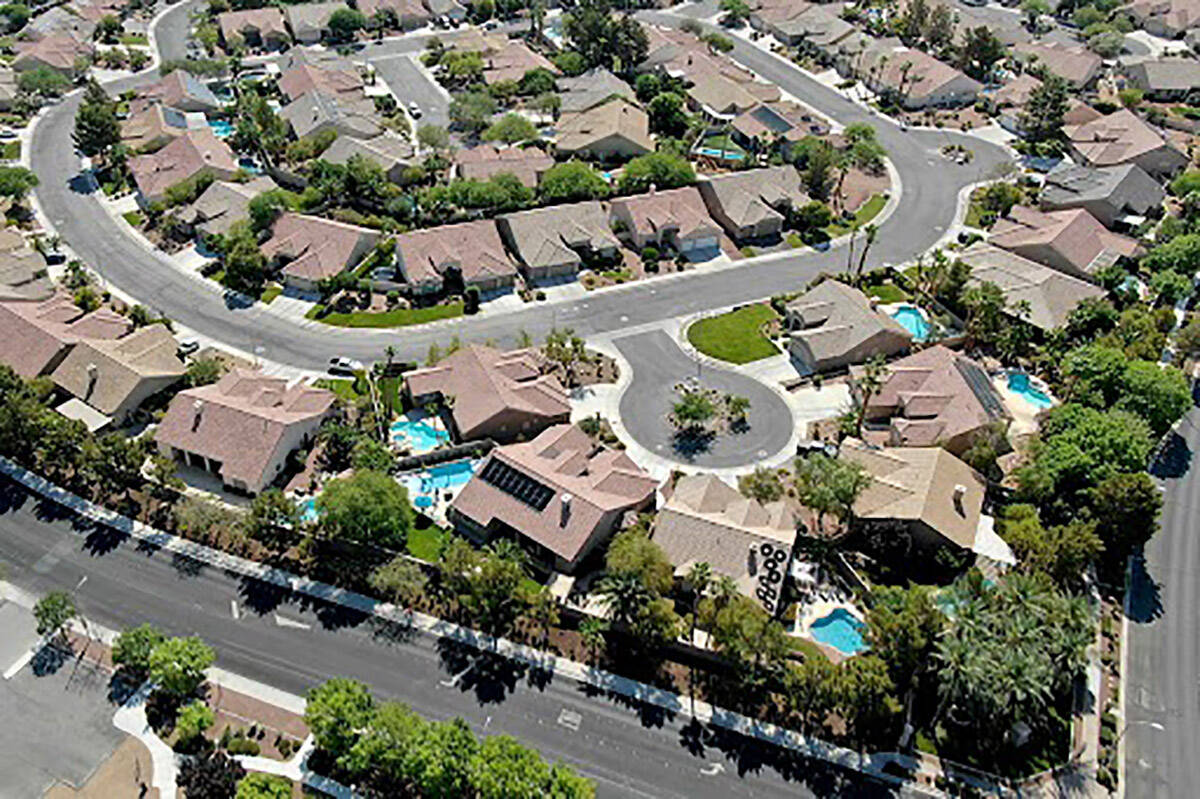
[239,745]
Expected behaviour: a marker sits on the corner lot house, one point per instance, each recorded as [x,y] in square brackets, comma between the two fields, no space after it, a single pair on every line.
[553,242]
[835,325]
[1071,241]
[155,125]
[410,14]
[1169,18]
[1111,194]
[497,395]
[780,124]
[927,495]
[184,91]
[560,496]
[453,257]
[309,22]
[705,520]
[615,130]
[1123,137]
[1078,66]
[59,52]
[38,333]
[350,114]
[512,61]
[1050,294]
[194,153]
[935,397]
[677,218]
[914,78]
[115,376]
[255,27]
[312,249]
[304,71]
[243,427]
[223,204]
[754,204]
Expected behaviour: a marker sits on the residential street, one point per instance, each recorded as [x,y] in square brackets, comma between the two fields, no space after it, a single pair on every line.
[629,751]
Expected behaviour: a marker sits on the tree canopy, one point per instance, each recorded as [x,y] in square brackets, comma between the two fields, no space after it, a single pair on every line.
[367,508]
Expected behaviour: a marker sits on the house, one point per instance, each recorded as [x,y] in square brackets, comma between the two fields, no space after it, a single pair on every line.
[254,27]
[782,124]
[1124,138]
[189,155]
[926,494]
[390,153]
[556,241]
[1168,18]
[1047,295]
[677,218]
[913,78]
[1011,99]
[317,111]
[154,125]
[115,376]
[484,161]
[935,397]
[766,16]
[23,273]
[303,72]
[448,9]
[591,89]
[184,91]
[8,88]
[410,14]
[59,52]
[1078,66]
[835,325]
[38,332]
[311,248]
[453,257]
[492,394]
[309,22]
[1114,195]
[754,204]
[59,21]
[512,61]
[1071,241]
[243,427]
[820,32]
[95,10]
[223,204]
[560,496]
[705,520]
[1166,78]
[614,130]
[722,98]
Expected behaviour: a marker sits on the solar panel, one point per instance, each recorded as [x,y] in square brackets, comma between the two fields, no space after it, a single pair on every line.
[516,484]
[771,120]
[981,387]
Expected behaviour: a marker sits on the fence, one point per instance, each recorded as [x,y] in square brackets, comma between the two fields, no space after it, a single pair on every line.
[473,449]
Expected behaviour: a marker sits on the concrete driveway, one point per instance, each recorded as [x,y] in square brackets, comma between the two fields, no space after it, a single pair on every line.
[658,365]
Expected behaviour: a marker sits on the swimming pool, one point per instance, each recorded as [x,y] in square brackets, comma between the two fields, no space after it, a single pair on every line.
[221,128]
[421,436]
[1019,383]
[913,320]
[308,510]
[449,475]
[728,155]
[839,630]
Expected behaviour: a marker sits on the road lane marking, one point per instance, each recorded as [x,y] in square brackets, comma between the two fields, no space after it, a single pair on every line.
[712,770]
[233,609]
[22,661]
[570,719]
[295,625]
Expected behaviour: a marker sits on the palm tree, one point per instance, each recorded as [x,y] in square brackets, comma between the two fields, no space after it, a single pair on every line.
[592,631]
[871,230]
[699,579]
[625,595]
[543,611]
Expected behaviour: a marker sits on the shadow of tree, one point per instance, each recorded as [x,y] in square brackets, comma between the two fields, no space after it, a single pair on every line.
[1145,595]
[1174,458]
[690,442]
[48,660]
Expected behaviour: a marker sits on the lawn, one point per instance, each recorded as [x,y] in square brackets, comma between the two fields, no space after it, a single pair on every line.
[134,218]
[887,293]
[426,543]
[736,336]
[866,212]
[807,648]
[133,38]
[399,317]
[349,389]
[270,293]
[11,151]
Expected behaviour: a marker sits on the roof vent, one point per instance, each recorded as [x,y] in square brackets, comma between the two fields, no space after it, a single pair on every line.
[565,516]
[960,491]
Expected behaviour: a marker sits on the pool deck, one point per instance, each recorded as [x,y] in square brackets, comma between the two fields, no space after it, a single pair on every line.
[819,609]
[1024,412]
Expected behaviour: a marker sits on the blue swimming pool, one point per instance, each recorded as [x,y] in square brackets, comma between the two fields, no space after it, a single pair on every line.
[1019,383]
[308,510]
[421,436]
[221,128]
[913,320]
[841,631]
[728,155]
[449,475]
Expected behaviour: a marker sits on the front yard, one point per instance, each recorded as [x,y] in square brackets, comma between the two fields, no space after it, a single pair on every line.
[737,336]
[398,317]
[869,210]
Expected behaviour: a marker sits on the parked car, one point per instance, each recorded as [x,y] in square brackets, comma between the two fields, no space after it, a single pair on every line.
[344,366]
[414,110]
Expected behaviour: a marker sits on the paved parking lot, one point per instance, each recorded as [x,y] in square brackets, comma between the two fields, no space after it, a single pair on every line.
[57,716]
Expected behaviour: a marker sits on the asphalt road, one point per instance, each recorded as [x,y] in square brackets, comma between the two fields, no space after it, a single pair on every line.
[658,365]
[410,84]
[931,185]
[630,751]
[1162,697]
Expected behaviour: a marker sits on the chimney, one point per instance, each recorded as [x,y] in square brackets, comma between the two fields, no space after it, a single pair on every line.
[565,516]
[752,561]
[93,373]
[197,408]
[653,188]
[960,491]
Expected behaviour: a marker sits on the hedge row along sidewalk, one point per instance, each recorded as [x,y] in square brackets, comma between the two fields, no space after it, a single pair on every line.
[872,764]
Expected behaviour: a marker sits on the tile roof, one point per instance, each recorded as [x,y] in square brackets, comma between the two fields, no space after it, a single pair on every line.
[105,373]
[347,112]
[405,9]
[587,486]
[752,195]
[243,421]
[386,151]
[836,318]
[181,87]
[722,95]
[306,19]
[682,209]
[487,384]
[1076,65]
[37,332]
[1165,74]
[1071,239]
[1126,188]
[485,161]
[23,274]
[316,248]
[472,247]
[58,51]
[591,89]
[189,154]
[303,72]
[224,203]
[512,61]
[1173,17]
[153,122]
[1050,294]
[266,22]
[616,117]
[551,236]
[921,74]
[1118,138]
[784,119]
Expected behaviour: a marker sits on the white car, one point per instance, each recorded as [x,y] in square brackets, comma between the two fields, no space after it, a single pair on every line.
[414,110]
[8,134]
[344,366]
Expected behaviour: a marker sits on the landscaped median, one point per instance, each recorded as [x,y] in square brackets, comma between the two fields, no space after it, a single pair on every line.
[397,317]
[737,336]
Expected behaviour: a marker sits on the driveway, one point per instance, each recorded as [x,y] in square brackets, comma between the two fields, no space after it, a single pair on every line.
[410,84]
[658,366]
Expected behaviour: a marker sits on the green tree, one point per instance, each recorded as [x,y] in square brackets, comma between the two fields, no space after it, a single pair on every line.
[97,129]
[245,265]
[177,666]
[108,29]
[570,63]
[602,39]
[400,581]
[263,786]
[345,23]
[593,632]
[210,775]
[661,170]
[736,12]
[763,484]
[267,207]
[985,306]
[1061,552]
[693,410]
[633,552]
[192,720]
[16,182]
[1126,508]
[43,82]
[1180,254]
[830,486]
[1169,286]
[1034,10]
[433,137]
[1158,394]
[816,160]
[273,520]
[53,613]
[132,647]
[368,508]
[572,181]
[14,16]
[667,114]
[537,81]
[471,112]
[865,695]
[754,643]
[504,769]
[1042,120]
[510,129]
[336,711]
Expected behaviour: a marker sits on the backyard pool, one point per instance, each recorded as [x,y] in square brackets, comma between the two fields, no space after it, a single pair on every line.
[424,487]
[221,128]
[728,155]
[839,630]
[913,320]
[308,510]
[420,435]
[1020,384]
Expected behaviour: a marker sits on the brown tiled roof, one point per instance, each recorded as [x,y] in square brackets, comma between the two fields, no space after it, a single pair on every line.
[310,18]
[617,117]
[552,236]
[153,122]
[1118,138]
[224,203]
[597,484]
[180,88]
[1075,238]
[836,319]
[317,248]
[185,157]
[243,420]
[474,247]
[750,196]
[36,332]
[1076,65]
[105,373]
[59,51]
[485,161]
[512,61]
[683,209]
[790,121]
[487,383]
[405,9]
[305,73]
[23,274]
[266,22]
